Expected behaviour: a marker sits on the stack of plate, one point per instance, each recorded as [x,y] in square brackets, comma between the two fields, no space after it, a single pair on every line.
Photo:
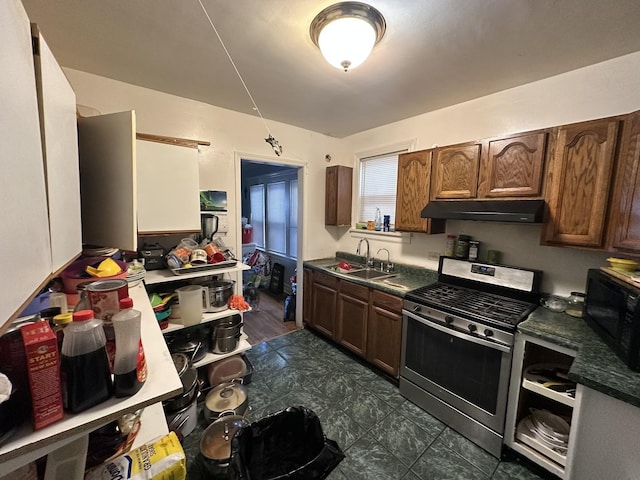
[95,251]
[546,429]
[135,273]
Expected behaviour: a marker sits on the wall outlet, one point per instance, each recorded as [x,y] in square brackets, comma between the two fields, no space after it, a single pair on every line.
[433,256]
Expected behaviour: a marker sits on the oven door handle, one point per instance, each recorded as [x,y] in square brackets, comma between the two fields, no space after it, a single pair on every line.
[456,333]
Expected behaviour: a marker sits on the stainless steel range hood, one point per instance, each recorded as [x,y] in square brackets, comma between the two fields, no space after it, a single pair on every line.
[516,211]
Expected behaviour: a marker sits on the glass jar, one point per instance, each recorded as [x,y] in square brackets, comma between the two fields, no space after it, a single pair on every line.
[575,304]
[462,247]
[474,246]
[451,244]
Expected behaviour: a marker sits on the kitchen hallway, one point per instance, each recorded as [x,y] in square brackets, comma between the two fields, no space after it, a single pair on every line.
[384,436]
[267,323]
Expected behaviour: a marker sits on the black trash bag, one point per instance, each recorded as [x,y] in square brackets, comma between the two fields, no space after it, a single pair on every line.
[287,445]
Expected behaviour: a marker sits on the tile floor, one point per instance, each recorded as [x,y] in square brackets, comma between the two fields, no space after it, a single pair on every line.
[383,435]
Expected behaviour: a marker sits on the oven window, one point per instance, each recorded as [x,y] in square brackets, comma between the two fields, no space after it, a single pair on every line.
[466,369]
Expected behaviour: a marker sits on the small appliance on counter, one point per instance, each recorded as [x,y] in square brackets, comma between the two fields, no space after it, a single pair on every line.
[153,256]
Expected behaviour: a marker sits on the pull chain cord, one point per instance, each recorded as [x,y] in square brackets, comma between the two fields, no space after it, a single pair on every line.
[277,148]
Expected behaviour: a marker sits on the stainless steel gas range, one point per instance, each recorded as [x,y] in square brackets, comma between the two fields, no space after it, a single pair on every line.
[457,342]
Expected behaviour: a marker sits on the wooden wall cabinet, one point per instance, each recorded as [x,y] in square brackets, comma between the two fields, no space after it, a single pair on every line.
[580,174]
[307,294]
[414,183]
[455,171]
[513,166]
[338,192]
[624,231]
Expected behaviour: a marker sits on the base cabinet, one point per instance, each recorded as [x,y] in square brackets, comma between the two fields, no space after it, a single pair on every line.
[363,320]
[538,378]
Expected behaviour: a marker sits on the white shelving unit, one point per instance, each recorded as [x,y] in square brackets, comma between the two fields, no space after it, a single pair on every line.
[527,392]
[153,277]
[162,383]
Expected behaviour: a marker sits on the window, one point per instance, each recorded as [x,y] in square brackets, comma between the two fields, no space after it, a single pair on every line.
[257,213]
[378,178]
[274,213]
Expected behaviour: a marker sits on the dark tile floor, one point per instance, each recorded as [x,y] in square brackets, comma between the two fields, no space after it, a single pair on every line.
[383,435]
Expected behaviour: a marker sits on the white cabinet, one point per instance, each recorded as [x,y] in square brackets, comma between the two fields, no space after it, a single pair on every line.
[538,382]
[168,188]
[59,133]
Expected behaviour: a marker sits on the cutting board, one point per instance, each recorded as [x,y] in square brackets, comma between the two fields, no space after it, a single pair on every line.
[630,277]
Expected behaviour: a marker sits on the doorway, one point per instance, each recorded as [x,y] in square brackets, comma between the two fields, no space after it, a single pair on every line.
[269,202]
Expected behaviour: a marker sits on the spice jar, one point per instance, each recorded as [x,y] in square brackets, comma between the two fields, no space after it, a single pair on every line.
[575,304]
[451,244]
[474,246]
[462,247]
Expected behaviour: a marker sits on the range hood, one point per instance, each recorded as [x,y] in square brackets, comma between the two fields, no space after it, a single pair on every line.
[516,211]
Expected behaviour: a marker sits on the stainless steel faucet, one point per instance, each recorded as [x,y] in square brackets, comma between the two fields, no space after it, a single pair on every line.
[369,260]
[389,266]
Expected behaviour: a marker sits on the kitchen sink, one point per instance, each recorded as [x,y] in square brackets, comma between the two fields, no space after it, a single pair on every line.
[355,267]
[370,274]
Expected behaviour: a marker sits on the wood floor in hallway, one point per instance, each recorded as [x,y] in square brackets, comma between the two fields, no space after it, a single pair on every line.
[266,323]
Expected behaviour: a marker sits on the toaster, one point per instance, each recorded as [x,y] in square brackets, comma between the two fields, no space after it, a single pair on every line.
[152,256]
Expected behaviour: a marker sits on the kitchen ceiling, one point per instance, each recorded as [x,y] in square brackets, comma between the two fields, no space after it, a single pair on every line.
[435,53]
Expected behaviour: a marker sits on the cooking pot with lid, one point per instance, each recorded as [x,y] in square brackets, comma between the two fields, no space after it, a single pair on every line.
[227,397]
[216,294]
[215,444]
[190,385]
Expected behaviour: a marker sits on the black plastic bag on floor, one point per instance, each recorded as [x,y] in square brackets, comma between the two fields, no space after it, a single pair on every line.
[287,445]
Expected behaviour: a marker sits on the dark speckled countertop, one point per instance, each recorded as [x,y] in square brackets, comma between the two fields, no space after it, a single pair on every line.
[595,365]
[405,277]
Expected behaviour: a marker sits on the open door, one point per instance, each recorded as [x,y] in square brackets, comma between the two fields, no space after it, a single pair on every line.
[107,150]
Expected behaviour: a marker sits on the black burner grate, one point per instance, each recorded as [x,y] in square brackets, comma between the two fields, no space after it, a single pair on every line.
[473,303]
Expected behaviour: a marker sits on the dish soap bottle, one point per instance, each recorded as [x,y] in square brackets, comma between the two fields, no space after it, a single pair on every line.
[129,365]
[378,220]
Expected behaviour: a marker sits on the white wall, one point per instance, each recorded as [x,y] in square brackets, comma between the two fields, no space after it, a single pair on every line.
[230,134]
[597,91]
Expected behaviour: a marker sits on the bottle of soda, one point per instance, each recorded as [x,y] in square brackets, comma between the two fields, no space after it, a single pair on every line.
[86,378]
[129,366]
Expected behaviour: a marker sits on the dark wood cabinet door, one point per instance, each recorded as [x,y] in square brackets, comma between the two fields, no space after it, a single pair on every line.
[307,295]
[324,301]
[625,207]
[351,318]
[414,181]
[384,333]
[455,171]
[512,167]
[580,175]
[338,189]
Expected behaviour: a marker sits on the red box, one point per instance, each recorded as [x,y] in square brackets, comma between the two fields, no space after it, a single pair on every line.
[247,234]
[43,367]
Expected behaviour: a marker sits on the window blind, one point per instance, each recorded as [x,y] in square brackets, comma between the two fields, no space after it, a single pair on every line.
[256,193]
[378,178]
[277,210]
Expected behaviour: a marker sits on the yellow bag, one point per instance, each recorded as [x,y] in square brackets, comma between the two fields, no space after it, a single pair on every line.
[163,459]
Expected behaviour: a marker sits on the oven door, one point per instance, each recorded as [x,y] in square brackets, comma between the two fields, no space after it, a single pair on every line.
[467,372]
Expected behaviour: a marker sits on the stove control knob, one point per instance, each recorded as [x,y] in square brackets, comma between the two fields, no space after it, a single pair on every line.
[417,308]
[472,328]
[488,333]
[448,319]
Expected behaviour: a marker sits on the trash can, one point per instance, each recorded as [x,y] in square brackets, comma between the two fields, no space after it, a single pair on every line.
[288,445]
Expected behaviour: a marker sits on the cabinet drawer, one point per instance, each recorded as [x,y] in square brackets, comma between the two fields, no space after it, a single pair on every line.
[387,301]
[326,280]
[354,290]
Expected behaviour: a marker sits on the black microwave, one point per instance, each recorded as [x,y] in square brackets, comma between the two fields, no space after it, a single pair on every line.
[613,311]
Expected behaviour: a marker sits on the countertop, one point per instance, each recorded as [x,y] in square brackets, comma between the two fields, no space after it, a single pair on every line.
[595,365]
[405,277]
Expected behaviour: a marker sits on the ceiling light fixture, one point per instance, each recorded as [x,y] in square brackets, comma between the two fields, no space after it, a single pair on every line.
[346,33]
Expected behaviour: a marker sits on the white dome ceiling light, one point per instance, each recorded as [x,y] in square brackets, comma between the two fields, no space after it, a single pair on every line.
[346,33]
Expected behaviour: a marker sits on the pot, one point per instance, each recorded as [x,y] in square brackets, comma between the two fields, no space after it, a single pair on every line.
[190,385]
[215,444]
[225,344]
[184,421]
[227,327]
[216,294]
[227,397]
